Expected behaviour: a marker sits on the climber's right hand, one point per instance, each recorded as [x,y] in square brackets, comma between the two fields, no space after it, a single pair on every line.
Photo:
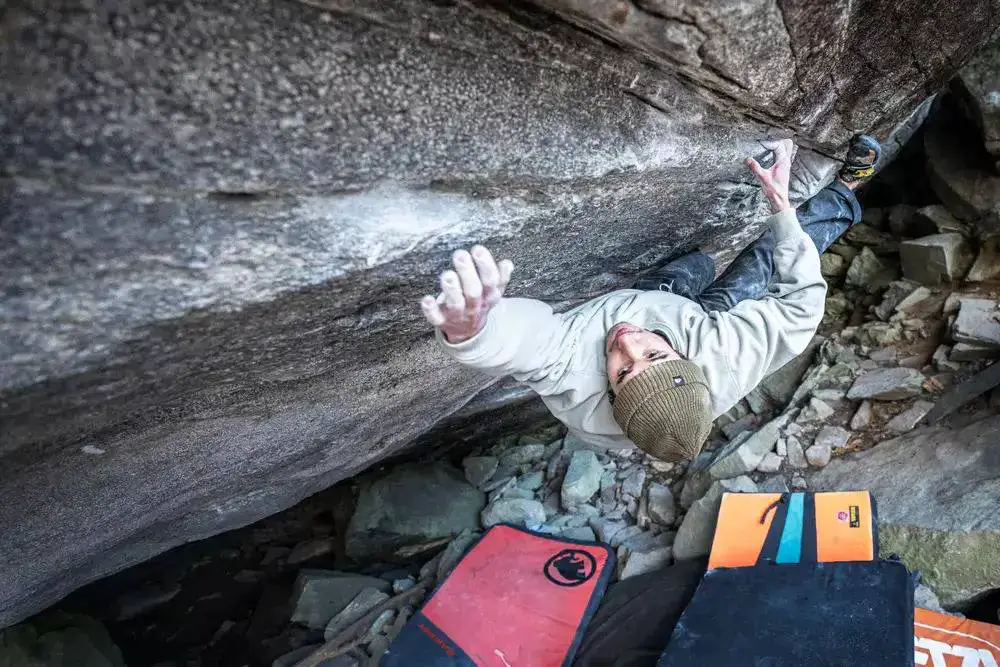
[467,294]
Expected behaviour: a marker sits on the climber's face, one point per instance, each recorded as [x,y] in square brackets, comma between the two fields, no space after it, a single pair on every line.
[630,350]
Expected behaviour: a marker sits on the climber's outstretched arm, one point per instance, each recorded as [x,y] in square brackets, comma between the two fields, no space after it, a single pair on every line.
[479,328]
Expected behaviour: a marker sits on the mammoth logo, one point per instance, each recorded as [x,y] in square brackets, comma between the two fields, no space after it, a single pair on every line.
[570,567]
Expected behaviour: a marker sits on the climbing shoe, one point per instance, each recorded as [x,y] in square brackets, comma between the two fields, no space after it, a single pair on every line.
[862,156]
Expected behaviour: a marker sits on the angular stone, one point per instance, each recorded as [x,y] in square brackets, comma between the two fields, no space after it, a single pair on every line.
[780,385]
[935,259]
[987,264]
[978,323]
[866,235]
[955,174]
[694,537]
[770,463]
[832,265]
[740,426]
[660,504]
[968,352]
[862,417]
[781,447]
[364,602]
[634,481]
[867,272]
[817,410]
[937,219]
[774,484]
[925,598]
[583,478]
[454,551]
[606,529]
[625,534]
[895,295]
[743,455]
[523,454]
[516,511]
[915,300]
[412,504]
[306,551]
[532,481]
[833,437]
[319,595]
[695,485]
[909,418]
[938,490]
[796,455]
[887,384]
[649,561]
[479,469]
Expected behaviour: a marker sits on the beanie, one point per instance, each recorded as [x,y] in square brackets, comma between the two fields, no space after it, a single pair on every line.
[666,410]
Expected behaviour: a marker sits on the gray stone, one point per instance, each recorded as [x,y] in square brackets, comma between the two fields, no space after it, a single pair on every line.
[987,264]
[523,454]
[694,537]
[887,384]
[634,481]
[581,533]
[363,602]
[733,414]
[759,403]
[319,595]
[695,485]
[935,259]
[649,561]
[832,265]
[583,479]
[293,658]
[862,417]
[306,551]
[532,481]
[743,455]
[479,469]
[869,273]
[780,385]
[938,490]
[660,504]
[226,212]
[516,511]
[818,455]
[403,585]
[866,235]
[412,504]
[796,455]
[770,463]
[501,490]
[781,448]
[624,535]
[968,352]
[817,410]
[955,173]
[925,598]
[799,482]
[606,529]
[978,323]
[518,492]
[833,437]
[914,301]
[900,220]
[740,426]
[454,552]
[774,484]
[897,292]
[909,418]
[937,219]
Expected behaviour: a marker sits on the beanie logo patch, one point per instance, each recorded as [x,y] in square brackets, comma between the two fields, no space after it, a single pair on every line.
[678,381]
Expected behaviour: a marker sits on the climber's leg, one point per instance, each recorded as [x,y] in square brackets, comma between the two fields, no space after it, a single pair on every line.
[824,217]
[686,276]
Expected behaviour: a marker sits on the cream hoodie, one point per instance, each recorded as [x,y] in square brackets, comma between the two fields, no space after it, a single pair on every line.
[561,356]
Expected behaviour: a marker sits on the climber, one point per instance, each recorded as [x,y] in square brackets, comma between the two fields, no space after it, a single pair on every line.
[654,366]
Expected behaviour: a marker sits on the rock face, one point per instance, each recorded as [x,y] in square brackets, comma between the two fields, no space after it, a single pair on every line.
[938,491]
[218,216]
[980,78]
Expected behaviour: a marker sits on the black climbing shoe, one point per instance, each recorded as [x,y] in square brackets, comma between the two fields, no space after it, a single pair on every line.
[862,156]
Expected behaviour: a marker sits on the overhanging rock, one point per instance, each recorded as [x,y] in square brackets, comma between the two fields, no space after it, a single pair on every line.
[216,219]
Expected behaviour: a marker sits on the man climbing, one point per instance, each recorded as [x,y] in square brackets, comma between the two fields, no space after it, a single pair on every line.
[656,365]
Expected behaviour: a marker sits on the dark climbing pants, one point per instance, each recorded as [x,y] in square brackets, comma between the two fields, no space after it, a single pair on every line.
[831,212]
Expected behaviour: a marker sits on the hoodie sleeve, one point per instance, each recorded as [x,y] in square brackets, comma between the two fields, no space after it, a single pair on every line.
[762,335]
[523,338]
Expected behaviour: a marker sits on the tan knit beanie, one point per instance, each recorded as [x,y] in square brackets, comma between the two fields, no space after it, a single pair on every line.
[666,410]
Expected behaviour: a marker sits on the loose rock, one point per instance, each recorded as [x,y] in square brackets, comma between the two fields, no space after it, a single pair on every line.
[363,602]
[516,511]
[935,259]
[479,469]
[987,264]
[606,529]
[660,504]
[306,551]
[770,463]
[694,537]
[583,478]
[914,301]
[744,454]
[796,455]
[817,410]
[649,561]
[868,272]
[412,504]
[907,420]
[977,323]
[897,292]
[532,481]
[833,437]
[634,482]
[818,455]
[523,454]
[580,533]
[887,384]
[319,595]
[863,417]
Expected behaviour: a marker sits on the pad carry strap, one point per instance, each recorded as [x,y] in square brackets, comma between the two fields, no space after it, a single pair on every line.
[792,535]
